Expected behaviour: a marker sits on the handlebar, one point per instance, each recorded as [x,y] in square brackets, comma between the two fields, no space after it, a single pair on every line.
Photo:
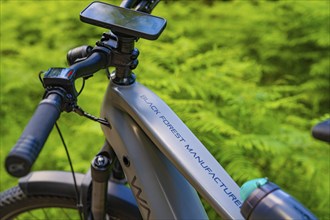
[59,83]
[96,61]
[21,158]
[24,153]
[145,6]
[128,3]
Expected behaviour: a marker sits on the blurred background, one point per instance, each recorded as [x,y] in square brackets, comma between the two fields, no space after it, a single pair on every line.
[249,78]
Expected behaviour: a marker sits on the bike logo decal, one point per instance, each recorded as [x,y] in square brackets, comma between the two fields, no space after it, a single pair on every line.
[192,151]
[142,202]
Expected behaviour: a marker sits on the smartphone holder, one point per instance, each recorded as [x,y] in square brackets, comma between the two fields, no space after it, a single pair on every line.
[126,26]
[123,21]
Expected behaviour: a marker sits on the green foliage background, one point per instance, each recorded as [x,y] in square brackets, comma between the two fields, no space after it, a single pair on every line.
[250,79]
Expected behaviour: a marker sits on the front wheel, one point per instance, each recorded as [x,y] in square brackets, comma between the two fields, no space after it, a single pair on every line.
[50,195]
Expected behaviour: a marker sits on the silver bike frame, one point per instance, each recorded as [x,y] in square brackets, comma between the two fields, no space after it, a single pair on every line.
[161,158]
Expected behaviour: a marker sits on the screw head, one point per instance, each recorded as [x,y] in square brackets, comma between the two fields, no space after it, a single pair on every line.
[101,161]
[134,64]
[135,54]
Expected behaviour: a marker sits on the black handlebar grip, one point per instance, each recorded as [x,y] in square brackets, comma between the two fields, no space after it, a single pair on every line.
[22,156]
[78,53]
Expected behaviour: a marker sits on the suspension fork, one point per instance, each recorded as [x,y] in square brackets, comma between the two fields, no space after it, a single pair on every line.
[100,170]
[105,165]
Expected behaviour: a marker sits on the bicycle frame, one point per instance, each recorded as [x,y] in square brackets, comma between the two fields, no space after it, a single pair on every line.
[148,137]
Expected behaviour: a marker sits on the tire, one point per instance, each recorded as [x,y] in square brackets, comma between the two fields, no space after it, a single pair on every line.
[44,203]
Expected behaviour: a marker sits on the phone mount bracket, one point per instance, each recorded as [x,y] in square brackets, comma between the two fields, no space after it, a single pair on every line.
[124,21]
[123,56]
[126,26]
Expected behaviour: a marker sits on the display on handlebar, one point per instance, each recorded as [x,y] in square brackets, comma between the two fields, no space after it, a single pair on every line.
[123,21]
[63,77]
[59,73]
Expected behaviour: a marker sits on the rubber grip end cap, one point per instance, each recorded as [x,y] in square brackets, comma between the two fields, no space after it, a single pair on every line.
[20,160]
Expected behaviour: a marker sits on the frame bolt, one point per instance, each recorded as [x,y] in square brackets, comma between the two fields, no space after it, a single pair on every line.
[135,54]
[101,161]
[134,64]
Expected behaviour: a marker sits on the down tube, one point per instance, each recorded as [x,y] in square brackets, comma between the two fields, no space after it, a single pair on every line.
[179,145]
[159,188]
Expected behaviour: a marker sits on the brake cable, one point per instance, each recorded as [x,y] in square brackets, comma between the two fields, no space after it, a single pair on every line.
[79,205]
[81,112]
[77,109]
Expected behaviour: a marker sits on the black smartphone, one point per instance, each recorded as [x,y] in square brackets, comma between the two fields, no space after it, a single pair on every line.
[123,20]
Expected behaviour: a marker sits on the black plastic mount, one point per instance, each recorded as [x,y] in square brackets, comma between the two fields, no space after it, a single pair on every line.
[123,56]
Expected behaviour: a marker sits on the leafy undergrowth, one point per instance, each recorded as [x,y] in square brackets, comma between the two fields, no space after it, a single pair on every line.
[249,78]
